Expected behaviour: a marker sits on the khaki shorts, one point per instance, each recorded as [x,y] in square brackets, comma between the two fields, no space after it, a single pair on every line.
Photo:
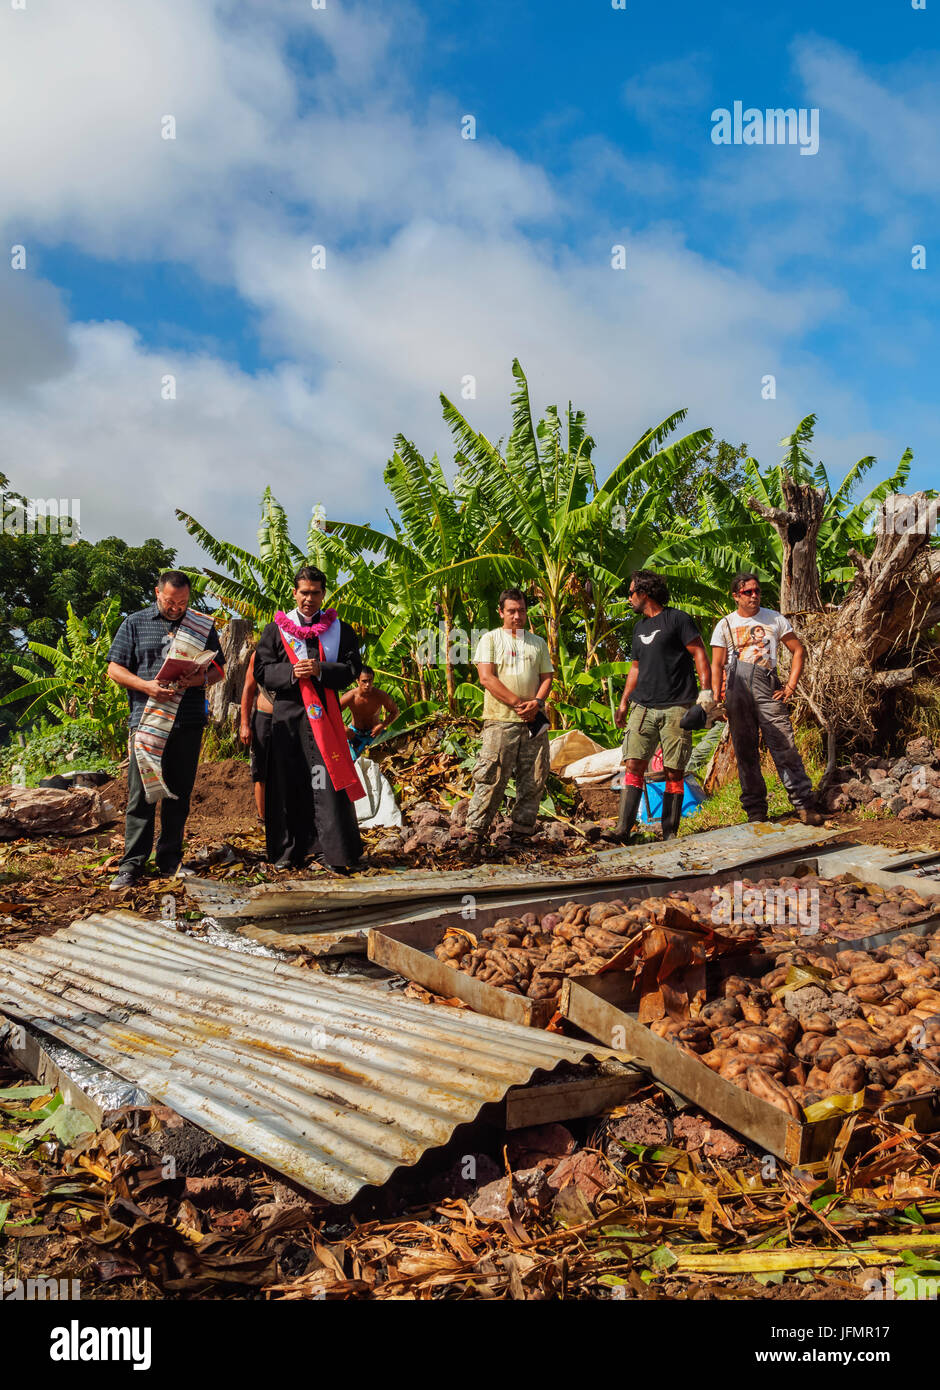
[647,728]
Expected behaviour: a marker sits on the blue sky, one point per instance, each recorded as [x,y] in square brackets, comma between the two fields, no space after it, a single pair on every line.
[189,259]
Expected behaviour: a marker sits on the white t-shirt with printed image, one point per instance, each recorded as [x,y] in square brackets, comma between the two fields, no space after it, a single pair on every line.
[756,638]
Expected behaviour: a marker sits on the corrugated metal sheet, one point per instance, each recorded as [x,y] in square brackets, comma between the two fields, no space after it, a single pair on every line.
[338,931]
[342,910]
[333,1084]
[713,850]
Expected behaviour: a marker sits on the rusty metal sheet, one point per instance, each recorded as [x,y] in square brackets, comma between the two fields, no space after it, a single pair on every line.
[733,846]
[334,1084]
[314,904]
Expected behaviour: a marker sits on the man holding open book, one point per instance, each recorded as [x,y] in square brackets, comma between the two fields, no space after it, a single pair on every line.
[164,656]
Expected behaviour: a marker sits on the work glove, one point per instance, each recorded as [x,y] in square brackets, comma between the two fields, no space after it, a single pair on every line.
[706,699]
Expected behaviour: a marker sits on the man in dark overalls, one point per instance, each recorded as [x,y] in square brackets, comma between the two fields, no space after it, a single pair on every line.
[744,665]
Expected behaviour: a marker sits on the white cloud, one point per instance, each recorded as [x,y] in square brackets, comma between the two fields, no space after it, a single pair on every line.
[444,258]
[102,431]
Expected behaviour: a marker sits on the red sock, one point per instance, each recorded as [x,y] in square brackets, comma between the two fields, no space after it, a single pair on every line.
[632,779]
[676,788]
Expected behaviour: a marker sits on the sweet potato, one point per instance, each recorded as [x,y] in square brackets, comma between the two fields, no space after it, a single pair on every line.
[605,943]
[773,1061]
[818,1080]
[893,1068]
[922,1032]
[915,974]
[870,974]
[761,1084]
[715,1058]
[560,959]
[721,1013]
[598,911]
[566,930]
[849,960]
[622,924]
[452,949]
[833,1050]
[784,1026]
[752,1011]
[582,947]
[697,1036]
[808,1046]
[752,1038]
[864,1042]
[735,1065]
[920,1079]
[869,994]
[544,985]
[817,1023]
[847,1076]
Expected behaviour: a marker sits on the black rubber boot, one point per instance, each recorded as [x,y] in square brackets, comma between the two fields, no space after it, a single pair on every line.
[629,806]
[671,814]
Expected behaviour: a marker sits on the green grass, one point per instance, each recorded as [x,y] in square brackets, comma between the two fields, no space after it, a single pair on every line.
[220,742]
[724,807]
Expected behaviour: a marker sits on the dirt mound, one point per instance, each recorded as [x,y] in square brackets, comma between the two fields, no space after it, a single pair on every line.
[222,801]
[600,802]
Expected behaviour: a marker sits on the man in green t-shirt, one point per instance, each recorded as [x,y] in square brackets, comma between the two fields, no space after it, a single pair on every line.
[516,674]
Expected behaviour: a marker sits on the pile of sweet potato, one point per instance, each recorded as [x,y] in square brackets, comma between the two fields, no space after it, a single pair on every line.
[861,1021]
[525,955]
[774,909]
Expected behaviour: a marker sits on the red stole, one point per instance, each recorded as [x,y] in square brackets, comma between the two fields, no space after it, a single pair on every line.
[329,731]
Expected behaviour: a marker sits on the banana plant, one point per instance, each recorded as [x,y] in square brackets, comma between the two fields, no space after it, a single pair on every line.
[256,586]
[436,547]
[77,689]
[544,491]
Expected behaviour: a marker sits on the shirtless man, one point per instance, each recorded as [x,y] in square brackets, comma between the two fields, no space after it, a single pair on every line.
[255,731]
[364,702]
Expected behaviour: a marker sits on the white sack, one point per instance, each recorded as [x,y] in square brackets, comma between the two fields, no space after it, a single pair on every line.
[378,807]
[570,747]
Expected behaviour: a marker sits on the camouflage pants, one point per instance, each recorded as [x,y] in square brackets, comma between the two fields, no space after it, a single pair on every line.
[508,751]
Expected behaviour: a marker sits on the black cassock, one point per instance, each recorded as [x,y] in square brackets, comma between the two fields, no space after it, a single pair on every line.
[299,819]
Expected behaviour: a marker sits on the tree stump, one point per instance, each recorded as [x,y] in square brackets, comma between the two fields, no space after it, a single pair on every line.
[722,766]
[896,594]
[797,525]
[238,645]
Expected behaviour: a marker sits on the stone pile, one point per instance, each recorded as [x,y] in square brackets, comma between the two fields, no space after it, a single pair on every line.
[907,787]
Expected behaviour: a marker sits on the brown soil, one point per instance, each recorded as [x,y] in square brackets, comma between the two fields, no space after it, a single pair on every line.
[896,834]
[600,802]
[222,801]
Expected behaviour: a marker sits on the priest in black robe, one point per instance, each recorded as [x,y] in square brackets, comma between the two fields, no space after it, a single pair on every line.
[306,814]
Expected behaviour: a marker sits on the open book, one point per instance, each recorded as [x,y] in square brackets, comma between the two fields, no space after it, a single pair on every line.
[176,666]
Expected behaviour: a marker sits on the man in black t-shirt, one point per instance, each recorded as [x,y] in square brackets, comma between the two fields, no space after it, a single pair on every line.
[667,652]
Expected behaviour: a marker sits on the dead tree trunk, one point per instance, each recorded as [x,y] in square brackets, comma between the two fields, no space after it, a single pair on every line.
[797,524]
[237,640]
[896,594]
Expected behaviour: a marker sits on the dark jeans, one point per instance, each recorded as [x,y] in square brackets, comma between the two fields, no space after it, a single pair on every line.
[180,760]
[752,710]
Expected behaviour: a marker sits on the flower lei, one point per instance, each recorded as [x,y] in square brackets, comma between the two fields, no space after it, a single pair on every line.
[306,634]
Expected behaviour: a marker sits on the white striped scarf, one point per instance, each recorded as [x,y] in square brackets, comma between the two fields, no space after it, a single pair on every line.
[160,713]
